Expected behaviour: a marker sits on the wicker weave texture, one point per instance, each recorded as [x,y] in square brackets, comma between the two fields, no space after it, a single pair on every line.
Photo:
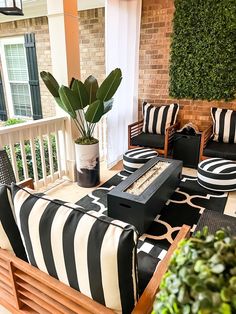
[6,172]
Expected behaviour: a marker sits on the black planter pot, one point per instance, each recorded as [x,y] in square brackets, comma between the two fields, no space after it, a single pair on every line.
[87,165]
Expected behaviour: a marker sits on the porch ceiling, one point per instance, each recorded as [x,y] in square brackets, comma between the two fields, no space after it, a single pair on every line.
[36,8]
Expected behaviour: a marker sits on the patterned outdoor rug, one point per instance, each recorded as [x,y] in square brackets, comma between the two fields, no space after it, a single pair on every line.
[185,207]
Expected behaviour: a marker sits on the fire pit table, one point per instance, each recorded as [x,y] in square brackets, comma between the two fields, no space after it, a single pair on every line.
[140,198]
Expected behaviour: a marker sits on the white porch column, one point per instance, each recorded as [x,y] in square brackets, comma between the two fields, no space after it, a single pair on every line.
[64,42]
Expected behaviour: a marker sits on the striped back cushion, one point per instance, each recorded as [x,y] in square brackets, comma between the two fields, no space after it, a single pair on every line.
[88,251]
[224,125]
[10,238]
[158,119]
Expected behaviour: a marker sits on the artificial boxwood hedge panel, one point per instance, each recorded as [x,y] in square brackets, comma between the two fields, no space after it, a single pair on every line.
[203,50]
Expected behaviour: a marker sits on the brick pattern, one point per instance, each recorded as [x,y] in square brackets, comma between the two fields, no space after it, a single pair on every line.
[156,29]
[92,43]
[39,26]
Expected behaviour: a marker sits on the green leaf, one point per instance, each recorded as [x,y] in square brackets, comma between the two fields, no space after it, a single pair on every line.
[81,93]
[50,82]
[69,100]
[91,85]
[94,111]
[110,85]
[60,104]
[108,105]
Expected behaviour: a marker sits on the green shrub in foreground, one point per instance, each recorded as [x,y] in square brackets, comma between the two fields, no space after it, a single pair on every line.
[201,277]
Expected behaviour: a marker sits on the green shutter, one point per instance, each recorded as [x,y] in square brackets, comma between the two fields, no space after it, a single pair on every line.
[33,75]
[3,111]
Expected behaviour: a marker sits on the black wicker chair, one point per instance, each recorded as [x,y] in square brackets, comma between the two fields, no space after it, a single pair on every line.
[6,172]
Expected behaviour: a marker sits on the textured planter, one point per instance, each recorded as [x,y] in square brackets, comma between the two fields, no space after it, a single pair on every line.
[87,165]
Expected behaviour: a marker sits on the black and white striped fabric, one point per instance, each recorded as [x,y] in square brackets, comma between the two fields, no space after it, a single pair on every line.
[10,238]
[135,158]
[224,125]
[158,119]
[217,174]
[88,251]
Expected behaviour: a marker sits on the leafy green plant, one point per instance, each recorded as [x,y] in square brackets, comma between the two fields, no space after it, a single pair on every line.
[86,102]
[201,277]
[13,121]
[203,59]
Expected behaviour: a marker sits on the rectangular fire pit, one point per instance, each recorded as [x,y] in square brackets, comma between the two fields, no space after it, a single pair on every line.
[140,198]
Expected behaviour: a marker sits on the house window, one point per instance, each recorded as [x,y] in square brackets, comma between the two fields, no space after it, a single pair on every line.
[16,78]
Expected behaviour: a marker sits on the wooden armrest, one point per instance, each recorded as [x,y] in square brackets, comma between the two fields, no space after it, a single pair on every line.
[206,135]
[133,130]
[170,131]
[135,123]
[145,303]
[27,183]
[173,127]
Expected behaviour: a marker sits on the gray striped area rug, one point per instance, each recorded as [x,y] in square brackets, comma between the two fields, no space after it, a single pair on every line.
[88,251]
[217,174]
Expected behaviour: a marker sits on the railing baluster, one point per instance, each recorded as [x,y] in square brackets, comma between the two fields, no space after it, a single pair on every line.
[58,150]
[50,154]
[64,144]
[23,155]
[13,158]
[33,155]
[42,156]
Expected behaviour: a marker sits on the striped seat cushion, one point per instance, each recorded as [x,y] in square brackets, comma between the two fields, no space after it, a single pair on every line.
[217,174]
[88,251]
[224,125]
[135,158]
[10,238]
[158,119]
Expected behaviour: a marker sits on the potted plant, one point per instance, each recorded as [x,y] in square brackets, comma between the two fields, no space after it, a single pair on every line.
[86,103]
[201,277]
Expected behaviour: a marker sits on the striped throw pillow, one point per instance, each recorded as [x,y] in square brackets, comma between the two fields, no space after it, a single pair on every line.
[10,238]
[158,119]
[224,125]
[88,251]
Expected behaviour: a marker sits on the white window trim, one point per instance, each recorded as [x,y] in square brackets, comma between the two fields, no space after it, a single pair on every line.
[6,82]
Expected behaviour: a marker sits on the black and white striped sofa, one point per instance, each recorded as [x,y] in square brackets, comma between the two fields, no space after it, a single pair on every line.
[84,250]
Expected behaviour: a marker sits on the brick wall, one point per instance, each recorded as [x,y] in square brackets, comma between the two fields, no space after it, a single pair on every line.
[39,26]
[156,29]
[92,43]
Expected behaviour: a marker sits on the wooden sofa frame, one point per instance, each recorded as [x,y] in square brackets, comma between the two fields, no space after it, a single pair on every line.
[26,289]
[206,135]
[135,129]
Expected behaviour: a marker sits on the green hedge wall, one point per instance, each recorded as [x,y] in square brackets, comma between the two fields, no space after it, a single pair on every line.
[203,50]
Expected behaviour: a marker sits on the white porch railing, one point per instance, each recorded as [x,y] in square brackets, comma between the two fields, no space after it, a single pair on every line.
[37,149]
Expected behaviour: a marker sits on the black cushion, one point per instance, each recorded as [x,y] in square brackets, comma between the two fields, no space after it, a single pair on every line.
[10,238]
[146,267]
[149,140]
[220,150]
